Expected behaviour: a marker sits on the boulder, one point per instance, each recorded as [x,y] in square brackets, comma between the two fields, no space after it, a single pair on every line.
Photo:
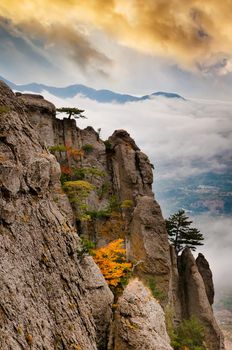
[139,321]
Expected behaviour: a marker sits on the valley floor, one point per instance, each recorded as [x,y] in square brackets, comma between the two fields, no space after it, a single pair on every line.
[224,318]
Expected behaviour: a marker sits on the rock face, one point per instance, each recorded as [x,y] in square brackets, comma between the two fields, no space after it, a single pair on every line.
[139,321]
[49,299]
[206,274]
[148,245]
[131,169]
[195,300]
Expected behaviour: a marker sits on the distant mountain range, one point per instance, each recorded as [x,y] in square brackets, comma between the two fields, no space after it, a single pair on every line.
[102,96]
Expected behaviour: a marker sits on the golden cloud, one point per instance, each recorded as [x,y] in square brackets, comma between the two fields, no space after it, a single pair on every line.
[193,33]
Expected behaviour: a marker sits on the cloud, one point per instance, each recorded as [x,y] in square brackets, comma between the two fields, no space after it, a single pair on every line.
[189,33]
[217,247]
[56,41]
[182,138]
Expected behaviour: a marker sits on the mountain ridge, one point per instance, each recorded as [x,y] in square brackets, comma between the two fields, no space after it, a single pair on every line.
[102,95]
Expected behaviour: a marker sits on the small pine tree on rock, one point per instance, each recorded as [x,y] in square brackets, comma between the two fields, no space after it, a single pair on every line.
[72,112]
[181,234]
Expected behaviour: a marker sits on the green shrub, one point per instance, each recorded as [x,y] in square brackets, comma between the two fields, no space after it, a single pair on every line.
[81,173]
[169,315]
[86,248]
[77,192]
[114,204]
[58,148]
[98,214]
[108,145]
[189,334]
[4,109]
[104,189]
[64,178]
[88,148]
[156,292]
[127,203]
[78,173]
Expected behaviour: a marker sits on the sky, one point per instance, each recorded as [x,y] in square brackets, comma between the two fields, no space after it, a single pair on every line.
[132,46]
[139,47]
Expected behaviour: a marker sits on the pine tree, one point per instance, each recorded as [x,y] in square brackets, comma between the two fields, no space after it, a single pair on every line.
[71,112]
[180,233]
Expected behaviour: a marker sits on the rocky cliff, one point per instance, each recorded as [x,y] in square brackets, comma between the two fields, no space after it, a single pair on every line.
[50,297]
[195,300]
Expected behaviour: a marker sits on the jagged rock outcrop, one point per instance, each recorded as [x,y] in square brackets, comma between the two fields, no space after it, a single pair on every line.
[52,299]
[139,321]
[175,288]
[206,274]
[195,301]
[49,298]
[148,245]
[131,169]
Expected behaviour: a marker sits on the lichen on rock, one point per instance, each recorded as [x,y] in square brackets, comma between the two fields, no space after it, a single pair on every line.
[139,321]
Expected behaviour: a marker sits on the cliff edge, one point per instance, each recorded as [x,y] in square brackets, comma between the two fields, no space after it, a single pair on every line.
[51,296]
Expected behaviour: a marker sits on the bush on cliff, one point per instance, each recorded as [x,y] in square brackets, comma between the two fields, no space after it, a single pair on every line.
[112,262]
[189,335]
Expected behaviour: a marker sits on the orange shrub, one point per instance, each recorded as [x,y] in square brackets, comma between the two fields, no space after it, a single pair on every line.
[111,260]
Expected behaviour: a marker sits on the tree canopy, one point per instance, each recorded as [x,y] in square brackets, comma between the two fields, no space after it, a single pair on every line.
[72,112]
[181,234]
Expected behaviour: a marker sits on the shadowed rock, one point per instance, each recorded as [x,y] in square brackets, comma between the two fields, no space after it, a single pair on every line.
[195,300]
[206,274]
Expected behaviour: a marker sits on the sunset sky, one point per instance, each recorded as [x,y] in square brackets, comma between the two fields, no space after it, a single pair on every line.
[132,46]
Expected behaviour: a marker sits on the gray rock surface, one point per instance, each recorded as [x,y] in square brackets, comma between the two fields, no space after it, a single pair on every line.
[195,300]
[49,299]
[148,245]
[206,274]
[175,289]
[131,169]
[139,321]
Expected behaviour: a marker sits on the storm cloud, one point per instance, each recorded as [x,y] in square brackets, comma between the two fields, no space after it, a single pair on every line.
[52,43]
[193,34]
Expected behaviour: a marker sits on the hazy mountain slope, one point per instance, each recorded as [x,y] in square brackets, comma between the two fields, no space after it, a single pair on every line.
[102,95]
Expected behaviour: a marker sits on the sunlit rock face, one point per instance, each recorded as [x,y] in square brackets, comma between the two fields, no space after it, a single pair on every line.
[52,299]
[49,297]
[139,321]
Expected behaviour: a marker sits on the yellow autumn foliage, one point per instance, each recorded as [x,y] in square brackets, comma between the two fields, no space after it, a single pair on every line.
[111,260]
[79,185]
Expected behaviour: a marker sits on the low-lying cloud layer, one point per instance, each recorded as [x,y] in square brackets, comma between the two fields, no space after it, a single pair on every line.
[217,247]
[182,138]
[194,34]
